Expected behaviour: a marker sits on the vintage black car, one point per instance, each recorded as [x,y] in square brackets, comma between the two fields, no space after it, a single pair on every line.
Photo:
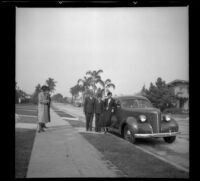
[135,117]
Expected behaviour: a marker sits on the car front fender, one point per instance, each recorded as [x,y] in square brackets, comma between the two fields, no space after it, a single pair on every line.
[132,124]
[171,125]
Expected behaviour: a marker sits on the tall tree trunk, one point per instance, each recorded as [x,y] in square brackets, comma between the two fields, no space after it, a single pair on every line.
[72,98]
[94,88]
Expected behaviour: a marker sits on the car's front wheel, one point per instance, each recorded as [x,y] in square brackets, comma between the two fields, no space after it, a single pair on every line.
[170,139]
[128,135]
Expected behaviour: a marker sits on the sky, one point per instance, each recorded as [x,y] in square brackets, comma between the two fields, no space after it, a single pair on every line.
[133,46]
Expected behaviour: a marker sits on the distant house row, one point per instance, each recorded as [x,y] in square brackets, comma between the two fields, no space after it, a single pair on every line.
[23,99]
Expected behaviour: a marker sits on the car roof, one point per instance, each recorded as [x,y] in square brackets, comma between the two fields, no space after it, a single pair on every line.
[130,97]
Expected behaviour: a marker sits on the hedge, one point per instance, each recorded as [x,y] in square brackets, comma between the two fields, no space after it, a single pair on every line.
[175,111]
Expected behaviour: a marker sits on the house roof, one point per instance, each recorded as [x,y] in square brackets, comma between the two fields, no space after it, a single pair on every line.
[177,81]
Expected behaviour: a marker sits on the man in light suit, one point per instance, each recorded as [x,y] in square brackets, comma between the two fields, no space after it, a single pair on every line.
[89,110]
[109,106]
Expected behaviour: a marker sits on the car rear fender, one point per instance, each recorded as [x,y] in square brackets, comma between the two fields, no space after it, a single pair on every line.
[132,124]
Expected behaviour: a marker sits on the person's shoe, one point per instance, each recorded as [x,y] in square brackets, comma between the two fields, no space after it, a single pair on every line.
[39,128]
[44,126]
[106,130]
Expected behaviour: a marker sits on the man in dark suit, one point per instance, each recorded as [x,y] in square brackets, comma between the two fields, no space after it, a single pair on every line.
[98,109]
[89,111]
[109,106]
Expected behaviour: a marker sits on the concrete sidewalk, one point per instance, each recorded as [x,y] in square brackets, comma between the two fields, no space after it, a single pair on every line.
[61,151]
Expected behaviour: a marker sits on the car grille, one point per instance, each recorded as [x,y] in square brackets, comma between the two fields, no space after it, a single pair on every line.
[154,120]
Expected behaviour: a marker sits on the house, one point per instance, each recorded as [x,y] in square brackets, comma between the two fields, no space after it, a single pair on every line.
[181,89]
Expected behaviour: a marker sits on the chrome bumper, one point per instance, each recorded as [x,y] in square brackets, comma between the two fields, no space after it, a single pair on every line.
[156,135]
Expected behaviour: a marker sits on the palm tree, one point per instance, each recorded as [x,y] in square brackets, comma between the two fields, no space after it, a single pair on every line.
[85,83]
[85,86]
[94,78]
[51,83]
[75,91]
[100,91]
[72,93]
[106,85]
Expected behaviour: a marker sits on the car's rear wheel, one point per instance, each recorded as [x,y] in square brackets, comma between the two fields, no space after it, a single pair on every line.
[128,135]
[170,139]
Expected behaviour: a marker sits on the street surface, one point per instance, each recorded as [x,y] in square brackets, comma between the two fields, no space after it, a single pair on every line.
[176,154]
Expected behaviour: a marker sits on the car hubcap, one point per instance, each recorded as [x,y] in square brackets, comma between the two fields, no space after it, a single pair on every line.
[128,135]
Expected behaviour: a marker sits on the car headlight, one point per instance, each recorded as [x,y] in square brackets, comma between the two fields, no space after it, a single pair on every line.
[167,118]
[142,118]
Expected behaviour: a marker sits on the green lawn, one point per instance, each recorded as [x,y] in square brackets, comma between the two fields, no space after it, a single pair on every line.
[24,139]
[27,105]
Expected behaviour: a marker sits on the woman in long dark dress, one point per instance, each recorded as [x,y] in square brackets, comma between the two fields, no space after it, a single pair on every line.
[47,108]
[109,106]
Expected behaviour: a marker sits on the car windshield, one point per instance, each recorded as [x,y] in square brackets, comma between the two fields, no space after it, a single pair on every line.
[135,103]
[142,103]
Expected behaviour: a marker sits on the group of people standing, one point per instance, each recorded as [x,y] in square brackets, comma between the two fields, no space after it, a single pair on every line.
[44,101]
[102,109]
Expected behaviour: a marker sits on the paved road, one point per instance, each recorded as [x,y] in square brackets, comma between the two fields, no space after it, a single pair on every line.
[176,153]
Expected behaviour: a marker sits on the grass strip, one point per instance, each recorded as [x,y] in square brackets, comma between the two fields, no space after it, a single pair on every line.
[24,139]
[76,124]
[130,160]
[27,120]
